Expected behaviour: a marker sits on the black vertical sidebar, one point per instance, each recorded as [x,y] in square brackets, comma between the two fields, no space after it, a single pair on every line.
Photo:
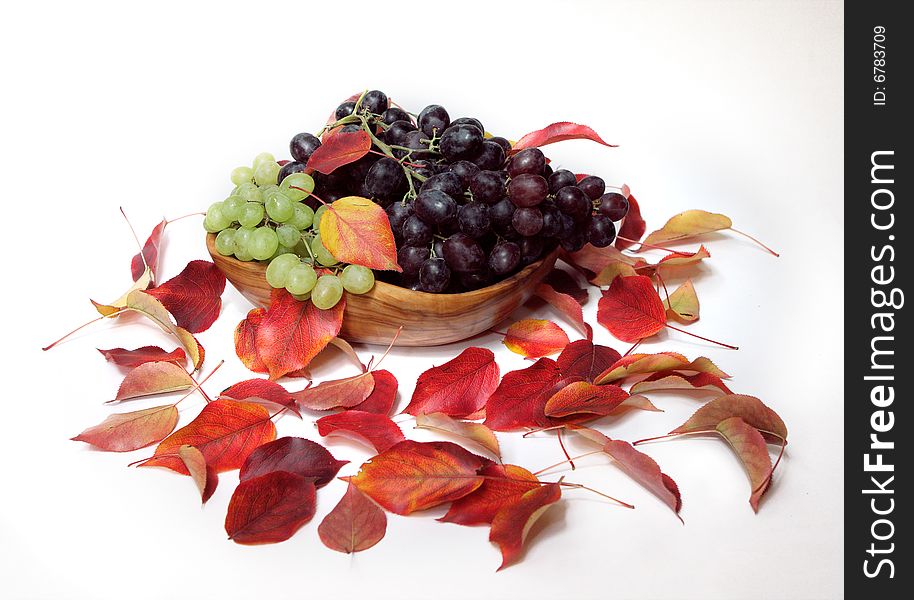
[878,224]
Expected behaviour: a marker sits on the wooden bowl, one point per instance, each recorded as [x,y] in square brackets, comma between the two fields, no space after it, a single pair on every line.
[427,319]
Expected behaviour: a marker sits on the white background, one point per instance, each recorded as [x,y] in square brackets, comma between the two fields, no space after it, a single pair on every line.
[733,107]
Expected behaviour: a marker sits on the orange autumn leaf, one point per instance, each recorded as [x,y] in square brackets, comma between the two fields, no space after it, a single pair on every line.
[535,338]
[225,431]
[631,309]
[682,259]
[582,397]
[355,523]
[414,476]
[503,485]
[340,149]
[129,431]
[640,364]
[357,231]
[512,523]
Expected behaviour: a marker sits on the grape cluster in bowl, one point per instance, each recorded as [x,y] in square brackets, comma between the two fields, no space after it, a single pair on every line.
[465,209]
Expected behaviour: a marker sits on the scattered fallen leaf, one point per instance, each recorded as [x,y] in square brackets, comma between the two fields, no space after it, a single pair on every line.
[563,283]
[134,358]
[689,224]
[750,447]
[535,338]
[665,380]
[503,485]
[246,340]
[585,360]
[355,523]
[631,309]
[582,397]
[204,476]
[520,399]
[194,296]
[293,455]
[149,258]
[124,432]
[335,393]
[640,364]
[270,508]
[414,476]
[153,378]
[512,523]
[225,431]
[144,304]
[682,259]
[557,132]
[378,430]
[474,432]
[261,390]
[567,305]
[749,408]
[683,304]
[382,397]
[459,387]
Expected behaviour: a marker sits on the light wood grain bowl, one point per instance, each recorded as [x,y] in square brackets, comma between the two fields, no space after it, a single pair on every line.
[427,319]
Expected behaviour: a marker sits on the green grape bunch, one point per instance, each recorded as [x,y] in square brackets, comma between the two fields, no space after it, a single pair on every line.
[265,219]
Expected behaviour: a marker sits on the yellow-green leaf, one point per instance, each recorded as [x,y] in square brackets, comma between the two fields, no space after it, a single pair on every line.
[682,305]
[689,224]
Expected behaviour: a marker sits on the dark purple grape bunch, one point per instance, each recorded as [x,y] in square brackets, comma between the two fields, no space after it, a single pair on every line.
[465,213]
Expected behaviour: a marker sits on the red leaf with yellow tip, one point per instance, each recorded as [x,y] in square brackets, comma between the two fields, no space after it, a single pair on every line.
[413,476]
[503,485]
[459,387]
[512,523]
[640,364]
[270,508]
[535,338]
[355,523]
[194,296]
[378,430]
[339,149]
[294,455]
[682,259]
[225,431]
[357,231]
[124,432]
[631,309]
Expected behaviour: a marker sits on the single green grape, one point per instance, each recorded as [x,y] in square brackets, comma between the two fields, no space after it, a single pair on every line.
[216,220]
[225,242]
[232,206]
[242,175]
[250,192]
[288,235]
[251,214]
[279,268]
[279,207]
[317,216]
[327,292]
[303,216]
[263,157]
[263,243]
[297,186]
[266,173]
[300,279]
[242,238]
[321,254]
[357,279]
[302,297]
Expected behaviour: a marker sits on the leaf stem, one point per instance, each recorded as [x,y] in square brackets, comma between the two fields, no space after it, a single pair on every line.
[52,344]
[695,335]
[386,352]
[743,233]
[559,464]
[570,461]
[598,493]
[643,245]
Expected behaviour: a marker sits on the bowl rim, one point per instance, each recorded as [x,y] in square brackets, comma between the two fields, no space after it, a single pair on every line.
[392,289]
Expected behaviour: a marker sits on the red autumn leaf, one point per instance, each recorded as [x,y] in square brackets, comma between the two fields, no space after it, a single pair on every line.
[382,397]
[357,231]
[287,335]
[153,378]
[134,358]
[204,476]
[535,338]
[335,393]
[585,360]
[639,466]
[270,508]
[567,305]
[256,390]
[339,149]
[293,455]
[459,387]
[520,399]
[595,261]
[194,296]
[631,309]
[504,484]
[681,259]
[225,431]
[473,432]
[378,430]
[513,522]
[668,380]
[749,408]
[633,225]
[246,340]
[355,523]
[582,397]
[414,476]
[124,432]
[750,447]
[557,132]
[150,255]
[639,364]
[564,283]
